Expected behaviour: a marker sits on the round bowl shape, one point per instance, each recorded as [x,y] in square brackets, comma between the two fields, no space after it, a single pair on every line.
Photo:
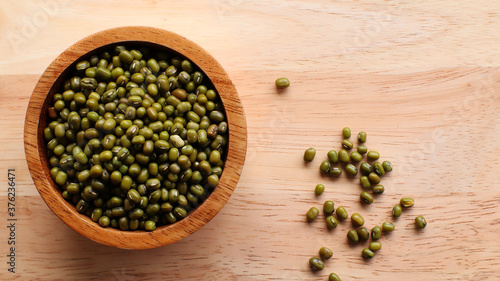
[36,152]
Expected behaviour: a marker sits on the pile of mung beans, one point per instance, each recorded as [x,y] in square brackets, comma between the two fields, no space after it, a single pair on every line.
[136,137]
[371,172]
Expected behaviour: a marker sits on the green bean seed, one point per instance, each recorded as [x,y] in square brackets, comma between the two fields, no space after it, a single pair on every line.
[82,65]
[420,222]
[333,277]
[73,188]
[388,226]
[53,172]
[362,137]
[407,202]
[60,131]
[312,214]
[346,132]
[335,171]
[352,236]
[134,224]
[375,246]
[333,157]
[197,190]
[325,253]
[357,220]
[81,158]
[82,206]
[387,166]
[135,213]
[96,214]
[342,213]
[180,212]
[325,166]
[378,169]
[213,180]
[126,56]
[316,263]
[367,253]
[104,221]
[123,222]
[374,178]
[319,189]
[376,233]
[170,217]
[362,149]
[363,233]
[309,154]
[396,211]
[365,182]
[150,225]
[356,157]
[351,169]
[331,222]
[61,178]
[344,156]
[365,168]
[347,144]
[216,116]
[372,155]
[378,189]
[187,66]
[153,184]
[328,207]
[102,73]
[366,197]
[282,82]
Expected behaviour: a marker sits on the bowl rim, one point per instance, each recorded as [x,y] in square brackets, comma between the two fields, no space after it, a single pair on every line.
[35,145]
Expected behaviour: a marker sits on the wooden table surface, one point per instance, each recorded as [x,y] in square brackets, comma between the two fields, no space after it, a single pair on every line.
[422,78]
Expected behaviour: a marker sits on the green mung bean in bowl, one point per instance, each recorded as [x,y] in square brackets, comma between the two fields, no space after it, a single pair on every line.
[135,137]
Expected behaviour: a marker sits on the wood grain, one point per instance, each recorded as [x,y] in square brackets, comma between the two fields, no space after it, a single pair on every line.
[424,87]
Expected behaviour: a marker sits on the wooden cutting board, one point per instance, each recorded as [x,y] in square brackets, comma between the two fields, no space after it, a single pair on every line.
[421,78]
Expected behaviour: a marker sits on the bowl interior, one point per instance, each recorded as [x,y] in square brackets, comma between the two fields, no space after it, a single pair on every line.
[36,120]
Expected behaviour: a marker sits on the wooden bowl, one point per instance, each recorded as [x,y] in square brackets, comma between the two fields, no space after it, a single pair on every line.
[36,152]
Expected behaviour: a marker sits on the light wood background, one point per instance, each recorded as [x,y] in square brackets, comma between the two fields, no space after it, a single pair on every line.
[422,78]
